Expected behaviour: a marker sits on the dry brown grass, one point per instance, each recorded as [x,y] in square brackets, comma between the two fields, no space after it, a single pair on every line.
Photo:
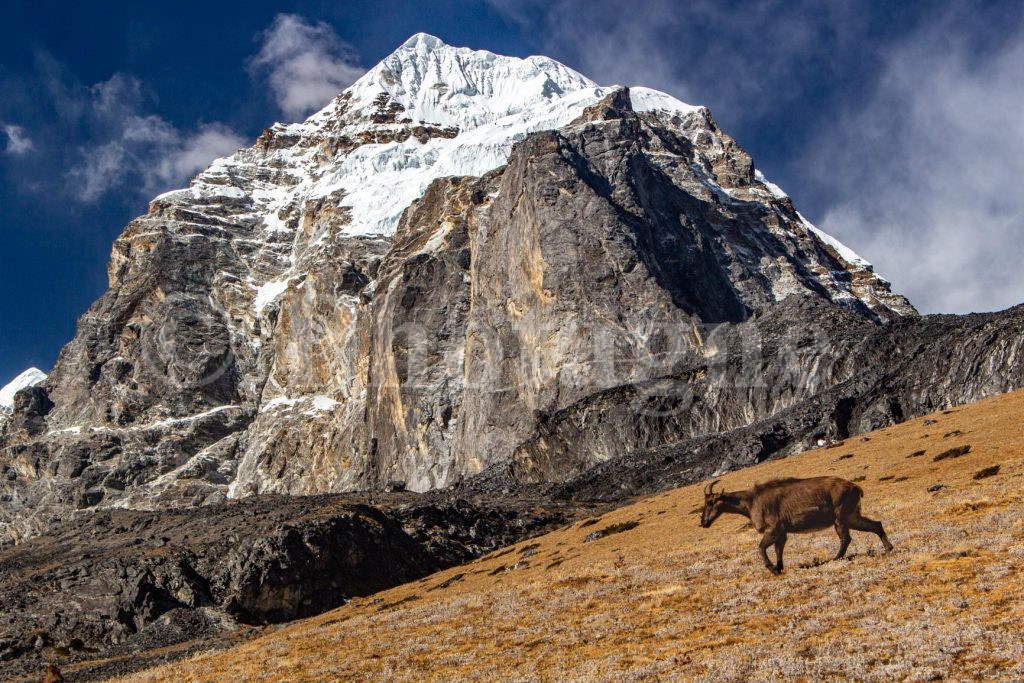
[667,600]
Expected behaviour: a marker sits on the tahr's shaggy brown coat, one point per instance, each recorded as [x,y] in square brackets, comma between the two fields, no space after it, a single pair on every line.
[782,506]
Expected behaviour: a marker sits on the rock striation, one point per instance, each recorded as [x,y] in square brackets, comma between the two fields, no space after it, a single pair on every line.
[817,390]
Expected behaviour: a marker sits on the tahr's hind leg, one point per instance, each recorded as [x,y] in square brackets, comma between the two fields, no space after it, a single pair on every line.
[860,523]
[780,543]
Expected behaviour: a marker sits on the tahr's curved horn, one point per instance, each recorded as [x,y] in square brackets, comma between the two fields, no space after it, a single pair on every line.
[707,489]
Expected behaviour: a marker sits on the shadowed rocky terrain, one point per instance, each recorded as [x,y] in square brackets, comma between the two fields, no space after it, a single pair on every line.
[860,378]
[115,590]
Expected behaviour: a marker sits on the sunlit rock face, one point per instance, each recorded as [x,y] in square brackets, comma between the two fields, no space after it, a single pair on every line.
[412,282]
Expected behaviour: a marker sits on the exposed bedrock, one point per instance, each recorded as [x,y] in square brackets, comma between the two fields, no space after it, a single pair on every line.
[840,375]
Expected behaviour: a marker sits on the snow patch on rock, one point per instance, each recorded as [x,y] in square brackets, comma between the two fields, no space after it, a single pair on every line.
[268,292]
[314,403]
[649,100]
[28,378]
[848,255]
[773,189]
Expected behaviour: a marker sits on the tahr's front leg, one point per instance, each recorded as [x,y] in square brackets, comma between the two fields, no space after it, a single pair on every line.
[770,538]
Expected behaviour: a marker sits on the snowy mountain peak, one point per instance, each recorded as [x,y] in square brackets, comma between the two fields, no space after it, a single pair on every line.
[29,378]
[459,87]
[422,39]
[426,111]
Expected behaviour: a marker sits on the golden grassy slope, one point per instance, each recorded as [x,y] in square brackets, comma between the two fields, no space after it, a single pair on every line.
[669,600]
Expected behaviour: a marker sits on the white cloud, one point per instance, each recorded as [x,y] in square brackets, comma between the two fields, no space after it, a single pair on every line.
[18,141]
[742,61]
[117,95]
[926,174]
[920,174]
[135,149]
[196,150]
[305,64]
[103,167]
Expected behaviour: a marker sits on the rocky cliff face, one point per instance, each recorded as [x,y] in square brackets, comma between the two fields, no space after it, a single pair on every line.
[808,389]
[454,266]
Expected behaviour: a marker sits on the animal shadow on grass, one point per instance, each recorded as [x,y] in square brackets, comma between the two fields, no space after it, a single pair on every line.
[819,561]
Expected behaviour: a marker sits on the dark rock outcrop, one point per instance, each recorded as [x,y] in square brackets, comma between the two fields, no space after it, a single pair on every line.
[117,584]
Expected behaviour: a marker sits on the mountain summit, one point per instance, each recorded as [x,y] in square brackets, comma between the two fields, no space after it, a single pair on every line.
[426,111]
[412,283]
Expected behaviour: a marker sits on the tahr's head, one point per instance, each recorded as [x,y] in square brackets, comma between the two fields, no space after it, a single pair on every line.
[712,505]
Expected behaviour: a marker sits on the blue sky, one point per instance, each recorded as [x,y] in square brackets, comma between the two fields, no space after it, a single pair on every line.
[897,128]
